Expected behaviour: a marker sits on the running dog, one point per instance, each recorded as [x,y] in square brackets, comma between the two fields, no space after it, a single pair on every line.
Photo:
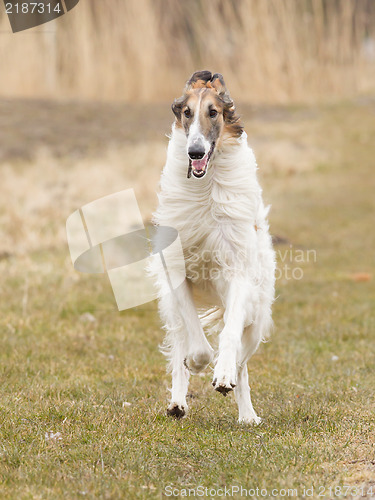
[209,192]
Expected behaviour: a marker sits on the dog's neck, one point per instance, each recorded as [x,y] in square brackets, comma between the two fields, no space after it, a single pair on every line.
[232,165]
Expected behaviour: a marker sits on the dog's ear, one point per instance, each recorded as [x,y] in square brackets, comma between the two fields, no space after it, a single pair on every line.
[232,121]
[217,83]
[198,80]
[177,106]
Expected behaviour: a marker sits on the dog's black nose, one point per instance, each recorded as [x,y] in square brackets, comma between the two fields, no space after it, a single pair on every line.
[196,153]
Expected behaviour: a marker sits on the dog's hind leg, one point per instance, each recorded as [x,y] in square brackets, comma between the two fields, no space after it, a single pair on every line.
[246,411]
[250,341]
[251,338]
[175,349]
[180,380]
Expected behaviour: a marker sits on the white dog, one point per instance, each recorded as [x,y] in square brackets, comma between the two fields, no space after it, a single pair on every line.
[210,194]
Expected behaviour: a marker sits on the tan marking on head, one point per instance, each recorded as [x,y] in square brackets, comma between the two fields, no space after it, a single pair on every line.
[199,84]
[210,101]
[209,95]
[192,100]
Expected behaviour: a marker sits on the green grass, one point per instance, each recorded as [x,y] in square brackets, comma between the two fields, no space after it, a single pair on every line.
[312,383]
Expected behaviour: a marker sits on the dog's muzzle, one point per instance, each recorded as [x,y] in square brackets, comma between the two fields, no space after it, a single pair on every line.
[198,161]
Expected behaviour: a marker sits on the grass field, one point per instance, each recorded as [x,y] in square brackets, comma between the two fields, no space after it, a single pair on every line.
[83,387]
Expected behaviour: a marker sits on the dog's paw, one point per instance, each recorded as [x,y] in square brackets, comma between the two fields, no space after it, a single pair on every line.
[225,377]
[198,361]
[249,420]
[176,411]
[223,386]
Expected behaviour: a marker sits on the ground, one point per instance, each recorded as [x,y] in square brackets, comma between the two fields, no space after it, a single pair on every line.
[83,387]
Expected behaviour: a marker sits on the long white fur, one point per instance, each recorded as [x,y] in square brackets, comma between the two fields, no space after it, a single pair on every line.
[230,267]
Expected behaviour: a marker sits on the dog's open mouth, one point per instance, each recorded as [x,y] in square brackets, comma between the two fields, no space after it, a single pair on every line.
[199,167]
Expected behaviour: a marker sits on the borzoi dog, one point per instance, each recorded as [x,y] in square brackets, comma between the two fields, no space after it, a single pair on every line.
[210,194]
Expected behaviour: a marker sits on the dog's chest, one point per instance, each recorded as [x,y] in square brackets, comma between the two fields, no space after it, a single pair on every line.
[213,242]
[215,216]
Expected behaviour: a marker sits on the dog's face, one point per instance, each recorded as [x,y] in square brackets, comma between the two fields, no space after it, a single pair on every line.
[205,112]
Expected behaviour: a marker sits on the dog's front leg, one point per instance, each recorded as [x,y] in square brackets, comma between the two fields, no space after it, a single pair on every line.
[236,310]
[188,348]
[199,352]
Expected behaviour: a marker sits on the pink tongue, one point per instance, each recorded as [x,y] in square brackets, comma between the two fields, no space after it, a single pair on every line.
[199,164]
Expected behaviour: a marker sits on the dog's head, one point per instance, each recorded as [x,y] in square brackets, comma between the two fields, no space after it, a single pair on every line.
[206,112]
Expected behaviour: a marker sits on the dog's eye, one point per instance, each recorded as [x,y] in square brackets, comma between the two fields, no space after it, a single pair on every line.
[213,113]
[187,113]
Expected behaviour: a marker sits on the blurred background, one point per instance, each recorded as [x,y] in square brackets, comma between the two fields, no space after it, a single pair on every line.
[273,51]
[87,96]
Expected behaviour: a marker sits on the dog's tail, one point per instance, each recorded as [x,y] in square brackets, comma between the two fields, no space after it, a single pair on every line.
[211,319]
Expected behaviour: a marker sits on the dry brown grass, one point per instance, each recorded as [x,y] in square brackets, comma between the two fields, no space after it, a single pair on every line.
[269,51]
[36,198]
[56,157]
